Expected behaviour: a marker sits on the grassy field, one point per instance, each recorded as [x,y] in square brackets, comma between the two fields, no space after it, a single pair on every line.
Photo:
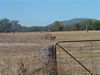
[35,41]
[25,48]
[35,37]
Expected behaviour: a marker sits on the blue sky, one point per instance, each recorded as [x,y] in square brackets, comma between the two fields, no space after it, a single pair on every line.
[44,12]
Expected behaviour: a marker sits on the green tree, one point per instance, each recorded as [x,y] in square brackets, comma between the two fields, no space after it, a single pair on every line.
[58,26]
[4,25]
[15,26]
[96,25]
[7,25]
[77,26]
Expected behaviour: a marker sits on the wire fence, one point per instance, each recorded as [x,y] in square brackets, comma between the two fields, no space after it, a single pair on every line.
[80,57]
[20,60]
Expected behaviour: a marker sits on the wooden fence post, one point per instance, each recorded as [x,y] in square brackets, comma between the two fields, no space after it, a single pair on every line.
[50,61]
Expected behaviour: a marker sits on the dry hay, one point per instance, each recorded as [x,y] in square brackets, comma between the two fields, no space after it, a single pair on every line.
[47,36]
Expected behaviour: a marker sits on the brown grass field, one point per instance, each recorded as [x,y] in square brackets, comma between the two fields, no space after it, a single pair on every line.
[25,48]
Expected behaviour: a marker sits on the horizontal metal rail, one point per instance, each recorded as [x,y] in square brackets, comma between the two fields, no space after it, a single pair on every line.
[78,41]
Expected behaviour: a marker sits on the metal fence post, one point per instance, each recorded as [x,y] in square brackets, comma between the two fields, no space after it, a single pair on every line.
[50,61]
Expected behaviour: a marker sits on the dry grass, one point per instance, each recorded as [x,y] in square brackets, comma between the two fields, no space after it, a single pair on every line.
[26,48]
[35,37]
[76,35]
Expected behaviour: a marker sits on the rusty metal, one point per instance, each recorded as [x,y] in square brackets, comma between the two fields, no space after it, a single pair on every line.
[75,59]
[77,41]
[58,44]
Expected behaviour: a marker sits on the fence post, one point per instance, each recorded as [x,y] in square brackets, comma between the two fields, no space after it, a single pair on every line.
[50,61]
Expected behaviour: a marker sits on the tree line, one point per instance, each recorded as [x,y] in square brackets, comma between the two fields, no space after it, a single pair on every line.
[7,25]
[84,25]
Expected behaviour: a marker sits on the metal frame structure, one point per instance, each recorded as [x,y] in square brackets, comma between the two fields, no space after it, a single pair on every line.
[58,45]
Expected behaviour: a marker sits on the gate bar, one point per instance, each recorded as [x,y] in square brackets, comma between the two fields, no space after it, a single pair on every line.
[75,58]
[77,41]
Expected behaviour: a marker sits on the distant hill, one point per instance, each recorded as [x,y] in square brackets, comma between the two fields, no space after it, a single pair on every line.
[73,21]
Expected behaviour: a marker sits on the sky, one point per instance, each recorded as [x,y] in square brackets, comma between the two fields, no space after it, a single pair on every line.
[44,12]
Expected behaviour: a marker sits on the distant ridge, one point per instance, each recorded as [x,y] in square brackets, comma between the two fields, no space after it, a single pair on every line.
[73,21]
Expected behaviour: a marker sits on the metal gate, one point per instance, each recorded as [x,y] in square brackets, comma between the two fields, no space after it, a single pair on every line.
[80,57]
